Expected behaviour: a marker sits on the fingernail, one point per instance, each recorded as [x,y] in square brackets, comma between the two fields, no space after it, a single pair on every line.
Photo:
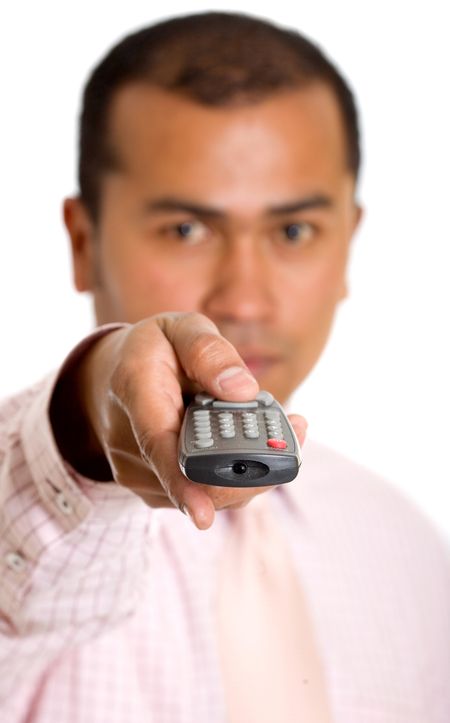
[235,378]
[185,509]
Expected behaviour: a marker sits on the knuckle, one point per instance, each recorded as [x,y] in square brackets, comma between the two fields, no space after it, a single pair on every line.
[206,349]
[188,316]
[146,442]
[178,322]
[123,379]
[117,381]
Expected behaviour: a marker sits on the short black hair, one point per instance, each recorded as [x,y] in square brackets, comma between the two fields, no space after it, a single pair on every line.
[214,58]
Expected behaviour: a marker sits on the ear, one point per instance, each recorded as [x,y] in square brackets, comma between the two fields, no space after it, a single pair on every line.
[82,238]
[358,213]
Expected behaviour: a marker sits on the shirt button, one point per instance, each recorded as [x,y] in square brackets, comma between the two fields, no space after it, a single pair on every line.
[65,506]
[15,561]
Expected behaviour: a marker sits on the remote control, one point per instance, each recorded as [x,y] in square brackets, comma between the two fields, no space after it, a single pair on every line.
[238,444]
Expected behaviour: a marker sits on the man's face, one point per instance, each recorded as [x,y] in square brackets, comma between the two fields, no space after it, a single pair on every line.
[243,213]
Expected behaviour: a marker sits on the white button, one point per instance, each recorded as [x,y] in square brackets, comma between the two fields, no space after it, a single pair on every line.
[265,398]
[15,561]
[203,434]
[65,506]
[272,415]
[203,399]
[203,443]
[227,433]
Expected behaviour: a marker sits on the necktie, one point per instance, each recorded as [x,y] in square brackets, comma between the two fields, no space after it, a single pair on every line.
[272,672]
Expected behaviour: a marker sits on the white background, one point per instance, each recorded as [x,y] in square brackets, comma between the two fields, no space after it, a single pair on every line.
[380,394]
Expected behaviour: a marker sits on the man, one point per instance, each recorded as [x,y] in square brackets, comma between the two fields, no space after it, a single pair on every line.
[218,163]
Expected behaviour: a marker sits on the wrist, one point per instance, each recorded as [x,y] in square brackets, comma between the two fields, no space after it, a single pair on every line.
[77,406]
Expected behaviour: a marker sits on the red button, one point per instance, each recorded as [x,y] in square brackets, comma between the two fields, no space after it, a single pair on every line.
[277,443]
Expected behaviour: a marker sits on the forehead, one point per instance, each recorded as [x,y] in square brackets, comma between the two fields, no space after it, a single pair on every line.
[159,136]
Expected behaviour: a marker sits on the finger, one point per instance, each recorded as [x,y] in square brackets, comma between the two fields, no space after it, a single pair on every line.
[300,426]
[208,358]
[149,395]
[160,451]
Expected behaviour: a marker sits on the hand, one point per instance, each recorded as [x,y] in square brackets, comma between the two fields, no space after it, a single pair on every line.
[131,384]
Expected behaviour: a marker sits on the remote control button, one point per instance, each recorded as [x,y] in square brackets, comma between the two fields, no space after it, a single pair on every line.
[203,399]
[273,427]
[203,443]
[201,414]
[234,405]
[201,424]
[251,433]
[203,435]
[225,415]
[265,398]
[226,427]
[277,443]
[227,433]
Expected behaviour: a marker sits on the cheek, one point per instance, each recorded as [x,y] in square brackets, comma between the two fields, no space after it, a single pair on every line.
[317,287]
[142,285]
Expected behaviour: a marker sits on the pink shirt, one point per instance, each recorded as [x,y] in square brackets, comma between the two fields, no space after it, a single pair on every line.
[111,611]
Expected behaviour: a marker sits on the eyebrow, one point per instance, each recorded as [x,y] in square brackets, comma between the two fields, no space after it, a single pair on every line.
[169,203]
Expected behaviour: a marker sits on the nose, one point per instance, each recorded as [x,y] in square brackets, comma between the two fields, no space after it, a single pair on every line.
[242,286]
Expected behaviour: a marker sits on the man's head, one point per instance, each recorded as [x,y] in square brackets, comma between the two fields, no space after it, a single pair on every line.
[218,162]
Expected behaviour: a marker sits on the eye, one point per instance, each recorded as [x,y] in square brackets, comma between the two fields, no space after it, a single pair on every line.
[298,232]
[189,231]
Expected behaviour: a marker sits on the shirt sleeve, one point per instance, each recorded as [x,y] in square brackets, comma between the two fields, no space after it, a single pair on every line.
[72,550]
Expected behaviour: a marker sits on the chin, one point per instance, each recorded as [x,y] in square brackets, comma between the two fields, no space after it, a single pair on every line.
[271,379]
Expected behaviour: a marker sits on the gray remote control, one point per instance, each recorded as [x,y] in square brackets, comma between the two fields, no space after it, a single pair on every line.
[238,444]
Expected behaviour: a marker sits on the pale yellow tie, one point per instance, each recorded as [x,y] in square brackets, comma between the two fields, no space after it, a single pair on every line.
[272,671]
